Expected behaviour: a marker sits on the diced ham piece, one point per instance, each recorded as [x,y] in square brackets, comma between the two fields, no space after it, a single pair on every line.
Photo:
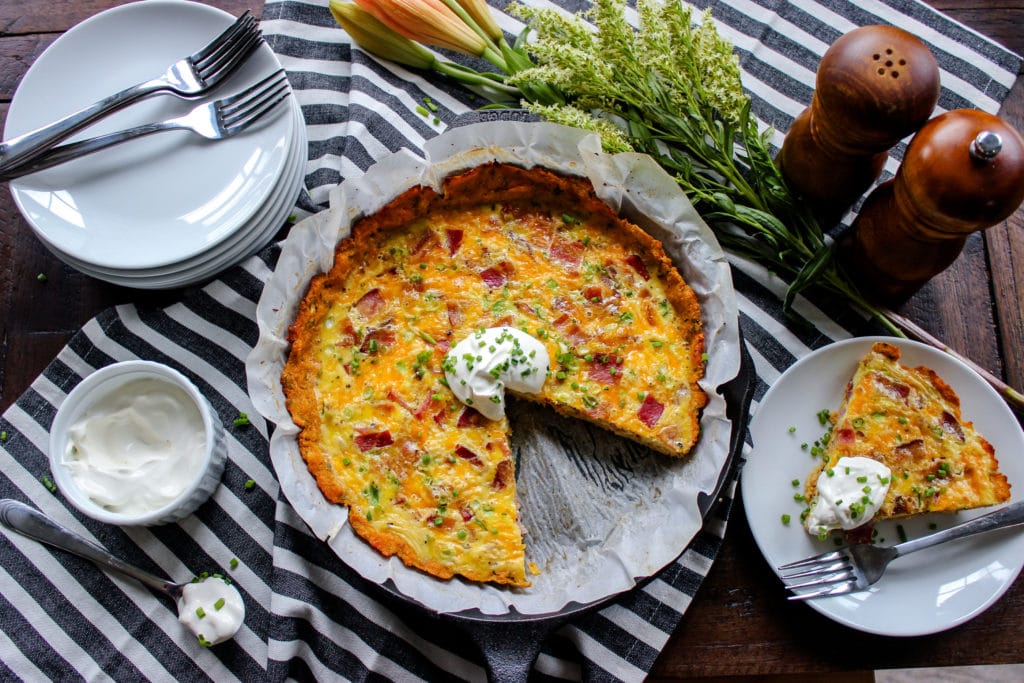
[637,264]
[392,396]
[493,278]
[423,243]
[593,294]
[952,426]
[426,404]
[454,240]
[524,308]
[605,369]
[469,418]
[891,388]
[567,252]
[502,475]
[466,513]
[371,303]
[455,316]
[650,411]
[373,440]
[381,336]
[467,454]
[845,436]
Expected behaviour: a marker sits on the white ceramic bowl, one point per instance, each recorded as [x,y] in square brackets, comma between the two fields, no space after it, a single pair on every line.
[102,386]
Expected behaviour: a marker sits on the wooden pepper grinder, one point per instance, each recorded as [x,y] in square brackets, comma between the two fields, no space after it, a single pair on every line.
[875,85]
[963,172]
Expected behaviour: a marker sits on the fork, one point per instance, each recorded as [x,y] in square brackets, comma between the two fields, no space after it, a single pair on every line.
[216,120]
[854,568]
[187,78]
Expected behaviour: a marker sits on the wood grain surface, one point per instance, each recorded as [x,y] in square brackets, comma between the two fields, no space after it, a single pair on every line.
[740,623]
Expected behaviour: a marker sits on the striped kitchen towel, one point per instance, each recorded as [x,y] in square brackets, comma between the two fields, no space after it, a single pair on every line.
[308,615]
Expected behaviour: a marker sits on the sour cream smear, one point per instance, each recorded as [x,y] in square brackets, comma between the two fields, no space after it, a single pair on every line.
[138,448]
[483,365]
[212,609]
[849,494]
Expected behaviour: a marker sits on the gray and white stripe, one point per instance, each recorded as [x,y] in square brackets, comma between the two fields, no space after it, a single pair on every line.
[308,615]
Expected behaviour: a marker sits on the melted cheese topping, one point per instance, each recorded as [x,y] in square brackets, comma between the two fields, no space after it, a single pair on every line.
[423,475]
[909,419]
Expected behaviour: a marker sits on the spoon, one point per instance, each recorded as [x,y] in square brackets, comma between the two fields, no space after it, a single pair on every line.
[29,522]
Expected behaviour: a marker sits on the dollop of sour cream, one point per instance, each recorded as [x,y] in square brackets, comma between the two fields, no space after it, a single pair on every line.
[483,365]
[212,609]
[849,494]
[136,449]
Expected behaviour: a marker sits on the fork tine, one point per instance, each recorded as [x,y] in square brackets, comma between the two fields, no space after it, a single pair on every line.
[823,557]
[240,106]
[817,570]
[254,103]
[849,587]
[241,98]
[239,34]
[255,116]
[223,64]
[244,19]
[838,577]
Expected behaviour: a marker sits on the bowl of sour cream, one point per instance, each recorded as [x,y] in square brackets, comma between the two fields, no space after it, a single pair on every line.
[137,444]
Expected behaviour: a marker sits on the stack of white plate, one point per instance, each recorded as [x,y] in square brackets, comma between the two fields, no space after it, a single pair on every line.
[169,209]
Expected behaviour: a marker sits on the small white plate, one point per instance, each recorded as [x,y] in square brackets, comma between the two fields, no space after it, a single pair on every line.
[242,244]
[929,591]
[156,200]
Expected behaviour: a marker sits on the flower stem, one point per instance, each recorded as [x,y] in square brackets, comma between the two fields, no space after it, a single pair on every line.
[1012,397]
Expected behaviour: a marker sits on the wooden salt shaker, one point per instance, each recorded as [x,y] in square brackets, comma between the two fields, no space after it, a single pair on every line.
[875,85]
[963,172]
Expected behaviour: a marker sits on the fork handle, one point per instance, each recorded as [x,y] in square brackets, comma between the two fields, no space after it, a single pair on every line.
[72,150]
[1011,515]
[26,147]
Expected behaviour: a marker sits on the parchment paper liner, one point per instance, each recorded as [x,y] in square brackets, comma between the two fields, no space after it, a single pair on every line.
[599,511]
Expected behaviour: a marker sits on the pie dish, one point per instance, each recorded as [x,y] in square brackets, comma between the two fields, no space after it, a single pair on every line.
[600,510]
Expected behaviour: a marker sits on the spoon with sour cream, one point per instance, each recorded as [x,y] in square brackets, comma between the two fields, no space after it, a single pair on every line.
[211,608]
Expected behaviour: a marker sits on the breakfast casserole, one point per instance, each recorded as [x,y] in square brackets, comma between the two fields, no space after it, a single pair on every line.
[502,249]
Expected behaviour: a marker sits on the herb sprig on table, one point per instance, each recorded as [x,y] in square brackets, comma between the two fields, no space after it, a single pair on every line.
[670,88]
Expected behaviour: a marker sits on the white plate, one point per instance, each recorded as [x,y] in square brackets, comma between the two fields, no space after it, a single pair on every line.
[157,200]
[926,592]
[245,242]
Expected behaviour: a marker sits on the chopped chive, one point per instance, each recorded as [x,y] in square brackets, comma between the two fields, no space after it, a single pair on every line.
[785,519]
[250,484]
[241,420]
[48,483]
[233,563]
[219,604]
[200,612]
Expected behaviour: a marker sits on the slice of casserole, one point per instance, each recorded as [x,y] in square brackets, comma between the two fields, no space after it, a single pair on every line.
[909,420]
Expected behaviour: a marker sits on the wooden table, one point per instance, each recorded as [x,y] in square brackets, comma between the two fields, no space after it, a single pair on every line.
[740,623]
